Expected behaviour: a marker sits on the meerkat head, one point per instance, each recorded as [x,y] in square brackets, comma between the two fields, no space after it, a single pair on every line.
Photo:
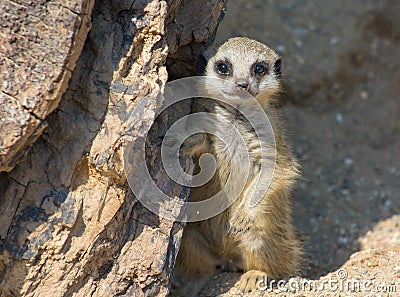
[243,64]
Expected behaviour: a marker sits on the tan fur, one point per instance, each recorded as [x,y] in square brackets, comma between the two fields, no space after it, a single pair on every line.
[260,241]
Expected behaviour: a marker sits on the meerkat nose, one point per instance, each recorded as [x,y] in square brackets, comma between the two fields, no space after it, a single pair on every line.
[242,83]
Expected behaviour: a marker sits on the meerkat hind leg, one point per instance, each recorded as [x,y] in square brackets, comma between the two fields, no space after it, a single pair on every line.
[195,265]
[260,259]
[189,289]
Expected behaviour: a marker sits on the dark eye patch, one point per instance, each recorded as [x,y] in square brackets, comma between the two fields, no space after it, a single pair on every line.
[260,69]
[223,68]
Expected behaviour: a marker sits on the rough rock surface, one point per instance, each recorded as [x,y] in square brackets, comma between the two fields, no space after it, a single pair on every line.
[69,225]
[40,44]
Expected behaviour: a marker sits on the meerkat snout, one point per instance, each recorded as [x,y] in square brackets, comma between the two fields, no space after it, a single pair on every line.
[243,83]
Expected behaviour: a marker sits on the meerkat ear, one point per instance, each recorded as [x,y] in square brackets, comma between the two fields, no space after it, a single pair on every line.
[278,68]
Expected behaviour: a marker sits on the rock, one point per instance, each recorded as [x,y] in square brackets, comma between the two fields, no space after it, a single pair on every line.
[70,224]
[41,43]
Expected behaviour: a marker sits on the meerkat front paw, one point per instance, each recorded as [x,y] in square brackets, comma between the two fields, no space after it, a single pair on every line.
[240,222]
[252,280]
[192,145]
[188,148]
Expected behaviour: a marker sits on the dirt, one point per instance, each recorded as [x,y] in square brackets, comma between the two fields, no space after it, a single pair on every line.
[342,68]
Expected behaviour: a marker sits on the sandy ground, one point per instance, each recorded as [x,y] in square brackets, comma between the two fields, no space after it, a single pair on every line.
[342,65]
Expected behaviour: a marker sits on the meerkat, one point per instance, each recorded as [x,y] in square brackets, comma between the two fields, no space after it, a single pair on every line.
[261,240]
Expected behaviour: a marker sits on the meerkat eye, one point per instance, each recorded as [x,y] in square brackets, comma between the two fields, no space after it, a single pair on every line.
[260,69]
[222,68]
